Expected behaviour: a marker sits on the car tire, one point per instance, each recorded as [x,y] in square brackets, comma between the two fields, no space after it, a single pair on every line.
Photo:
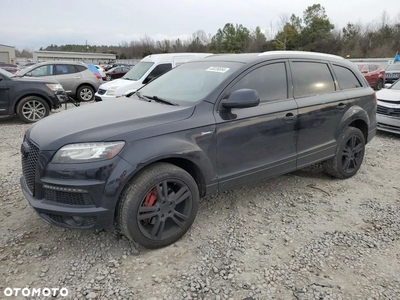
[32,109]
[379,84]
[152,221]
[349,154]
[85,93]
[108,77]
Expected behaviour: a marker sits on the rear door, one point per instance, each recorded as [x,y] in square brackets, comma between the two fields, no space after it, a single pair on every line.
[321,108]
[4,96]
[68,76]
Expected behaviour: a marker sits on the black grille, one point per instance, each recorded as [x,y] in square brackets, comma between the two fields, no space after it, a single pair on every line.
[55,218]
[82,199]
[388,111]
[29,162]
[101,92]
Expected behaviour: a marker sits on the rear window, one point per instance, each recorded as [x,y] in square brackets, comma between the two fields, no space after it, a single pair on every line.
[346,78]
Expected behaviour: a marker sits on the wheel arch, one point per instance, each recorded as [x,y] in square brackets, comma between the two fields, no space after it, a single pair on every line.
[355,117]
[41,96]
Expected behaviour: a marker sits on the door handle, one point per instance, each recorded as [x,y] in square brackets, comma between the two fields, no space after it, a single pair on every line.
[289,118]
[76,77]
[341,106]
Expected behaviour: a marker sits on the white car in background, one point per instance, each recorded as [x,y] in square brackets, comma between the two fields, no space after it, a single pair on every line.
[147,69]
[102,71]
[388,110]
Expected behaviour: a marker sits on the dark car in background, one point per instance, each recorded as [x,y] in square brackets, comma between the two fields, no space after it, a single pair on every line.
[116,72]
[76,78]
[392,73]
[374,74]
[30,98]
[142,163]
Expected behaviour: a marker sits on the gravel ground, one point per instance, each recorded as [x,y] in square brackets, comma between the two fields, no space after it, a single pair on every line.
[299,236]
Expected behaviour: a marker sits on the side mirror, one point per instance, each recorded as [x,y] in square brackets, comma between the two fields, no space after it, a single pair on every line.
[242,98]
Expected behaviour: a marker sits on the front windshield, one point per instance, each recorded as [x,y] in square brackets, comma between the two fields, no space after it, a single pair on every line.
[395,67]
[6,73]
[138,71]
[395,86]
[190,82]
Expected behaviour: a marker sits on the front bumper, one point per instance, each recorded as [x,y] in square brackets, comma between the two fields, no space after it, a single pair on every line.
[103,97]
[389,124]
[80,196]
[62,96]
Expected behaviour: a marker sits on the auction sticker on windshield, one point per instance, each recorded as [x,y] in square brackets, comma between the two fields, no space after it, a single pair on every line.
[217,69]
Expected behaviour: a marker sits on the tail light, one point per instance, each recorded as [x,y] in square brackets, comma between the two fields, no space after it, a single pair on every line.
[97,76]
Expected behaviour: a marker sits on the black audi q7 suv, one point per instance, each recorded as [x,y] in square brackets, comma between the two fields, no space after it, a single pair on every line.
[142,163]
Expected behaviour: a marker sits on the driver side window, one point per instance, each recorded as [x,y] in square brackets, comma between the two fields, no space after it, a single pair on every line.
[157,71]
[46,70]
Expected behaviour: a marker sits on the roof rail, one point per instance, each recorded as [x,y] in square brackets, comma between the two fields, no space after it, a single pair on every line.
[300,52]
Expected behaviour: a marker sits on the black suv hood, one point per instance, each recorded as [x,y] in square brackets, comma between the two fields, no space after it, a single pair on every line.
[102,121]
[34,80]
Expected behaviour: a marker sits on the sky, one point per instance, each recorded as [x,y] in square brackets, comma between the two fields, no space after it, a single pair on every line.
[38,23]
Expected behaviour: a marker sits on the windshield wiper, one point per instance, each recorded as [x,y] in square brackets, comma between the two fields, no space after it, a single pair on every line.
[161,100]
[126,78]
[140,96]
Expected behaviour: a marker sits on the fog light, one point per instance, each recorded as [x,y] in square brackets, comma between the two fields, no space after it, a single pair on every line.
[78,220]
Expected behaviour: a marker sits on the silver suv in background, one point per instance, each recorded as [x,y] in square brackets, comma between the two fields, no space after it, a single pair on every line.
[77,80]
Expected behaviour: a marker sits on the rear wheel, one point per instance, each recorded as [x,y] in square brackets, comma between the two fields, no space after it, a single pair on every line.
[32,109]
[85,93]
[159,206]
[349,154]
[108,77]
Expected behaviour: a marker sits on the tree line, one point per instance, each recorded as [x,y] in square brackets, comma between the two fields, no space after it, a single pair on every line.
[313,31]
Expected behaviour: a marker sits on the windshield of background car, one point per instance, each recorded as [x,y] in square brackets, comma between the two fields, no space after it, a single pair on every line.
[138,71]
[5,73]
[190,82]
[360,66]
[395,67]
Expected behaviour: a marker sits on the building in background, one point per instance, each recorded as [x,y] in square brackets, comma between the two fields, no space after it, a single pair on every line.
[7,54]
[86,57]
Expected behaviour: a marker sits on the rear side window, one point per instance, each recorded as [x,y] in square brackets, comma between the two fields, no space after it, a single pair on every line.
[80,68]
[269,81]
[311,78]
[65,69]
[346,78]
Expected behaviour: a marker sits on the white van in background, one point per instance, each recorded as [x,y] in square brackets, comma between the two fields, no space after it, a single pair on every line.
[148,68]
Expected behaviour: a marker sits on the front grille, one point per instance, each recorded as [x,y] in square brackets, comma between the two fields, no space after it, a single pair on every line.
[388,111]
[81,199]
[101,92]
[29,162]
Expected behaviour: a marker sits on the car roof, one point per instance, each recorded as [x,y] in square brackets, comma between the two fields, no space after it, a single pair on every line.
[171,56]
[254,57]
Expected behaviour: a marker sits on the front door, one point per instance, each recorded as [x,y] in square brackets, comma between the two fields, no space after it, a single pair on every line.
[258,142]
[4,96]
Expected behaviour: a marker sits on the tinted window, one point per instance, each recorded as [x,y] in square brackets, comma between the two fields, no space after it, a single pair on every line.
[46,70]
[269,81]
[346,78]
[311,78]
[80,68]
[65,69]
[160,69]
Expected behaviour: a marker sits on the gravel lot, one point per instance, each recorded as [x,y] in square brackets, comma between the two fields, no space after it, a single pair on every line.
[300,236]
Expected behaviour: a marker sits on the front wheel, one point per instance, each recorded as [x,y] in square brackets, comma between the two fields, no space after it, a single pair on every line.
[108,77]
[32,109]
[349,154]
[159,206]
[379,84]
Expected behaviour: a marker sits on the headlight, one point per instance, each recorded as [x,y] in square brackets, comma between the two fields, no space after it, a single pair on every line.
[87,152]
[111,91]
[54,86]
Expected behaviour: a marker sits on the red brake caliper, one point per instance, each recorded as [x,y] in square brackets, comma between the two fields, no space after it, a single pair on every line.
[151,197]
